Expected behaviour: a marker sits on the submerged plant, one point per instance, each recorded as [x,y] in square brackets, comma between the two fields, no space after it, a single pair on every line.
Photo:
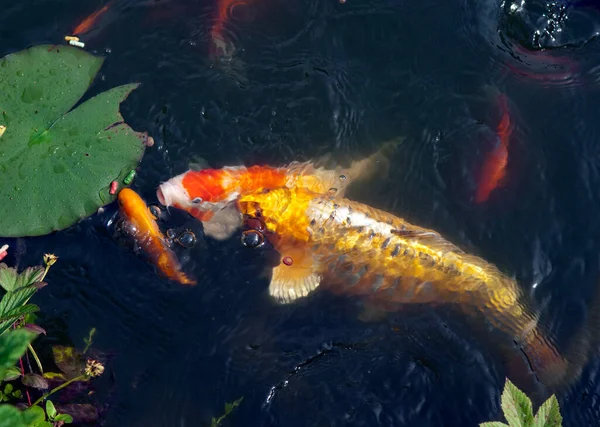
[518,410]
[229,407]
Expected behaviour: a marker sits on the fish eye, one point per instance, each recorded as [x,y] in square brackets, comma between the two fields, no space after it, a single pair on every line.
[197,200]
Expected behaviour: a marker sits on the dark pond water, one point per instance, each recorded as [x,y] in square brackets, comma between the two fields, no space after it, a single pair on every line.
[311,77]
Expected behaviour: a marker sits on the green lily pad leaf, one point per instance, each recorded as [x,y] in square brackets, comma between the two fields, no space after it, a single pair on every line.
[12,346]
[56,164]
[493,424]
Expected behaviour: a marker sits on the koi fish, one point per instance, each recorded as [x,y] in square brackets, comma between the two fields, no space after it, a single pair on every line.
[209,194]
[90,22]
[493,172]
[149,236]
[350,248]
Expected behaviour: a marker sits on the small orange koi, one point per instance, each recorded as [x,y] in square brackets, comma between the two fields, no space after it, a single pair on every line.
[149,236]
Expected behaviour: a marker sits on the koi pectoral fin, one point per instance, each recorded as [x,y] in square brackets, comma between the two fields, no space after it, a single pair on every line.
[296,276]
[224,223]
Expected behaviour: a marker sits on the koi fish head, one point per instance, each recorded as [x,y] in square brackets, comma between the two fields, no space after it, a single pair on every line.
[200,193]
[130,203]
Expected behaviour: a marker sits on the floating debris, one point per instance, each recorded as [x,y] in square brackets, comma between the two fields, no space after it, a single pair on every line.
[3,252]
[72,38]
[149,141]
[113,187]
[252,239]
[2,130]
[187,239]
[287,260]
[127,180]
[77,43]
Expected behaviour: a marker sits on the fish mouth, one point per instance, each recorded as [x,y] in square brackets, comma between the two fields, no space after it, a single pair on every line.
[160,196]
[172,192]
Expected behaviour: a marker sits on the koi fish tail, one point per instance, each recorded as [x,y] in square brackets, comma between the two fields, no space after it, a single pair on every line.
[585,343]
[336,178]
[544,359]
[168,264]
[377,165]
[553,369]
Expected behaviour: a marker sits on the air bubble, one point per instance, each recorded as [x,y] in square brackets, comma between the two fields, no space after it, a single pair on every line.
[252,239]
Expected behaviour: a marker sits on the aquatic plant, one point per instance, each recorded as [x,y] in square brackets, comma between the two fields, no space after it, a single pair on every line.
[518,411]
[57,163]
[229,408]
[17,331]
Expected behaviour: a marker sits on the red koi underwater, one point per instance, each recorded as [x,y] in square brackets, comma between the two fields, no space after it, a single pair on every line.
[493,172]
[221,47]
[88,23]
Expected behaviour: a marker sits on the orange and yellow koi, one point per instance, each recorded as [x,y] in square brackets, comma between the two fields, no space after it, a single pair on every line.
[350,248]
[149,236]
[493,172]
[208,194]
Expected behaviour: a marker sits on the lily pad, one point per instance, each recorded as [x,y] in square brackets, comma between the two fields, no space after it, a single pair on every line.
[57,163]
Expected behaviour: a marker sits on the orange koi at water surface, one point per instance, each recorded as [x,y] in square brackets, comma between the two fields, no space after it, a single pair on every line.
[209,194]
[493,172]
[350,248]
[148,235]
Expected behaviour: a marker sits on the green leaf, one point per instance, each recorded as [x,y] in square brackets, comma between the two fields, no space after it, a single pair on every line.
[493,424]
[8,388]
[50,409]
[19,311]
[12,300]
[12,417]
[12,346]
[11,280]
[516,406]
[11,373]
[549,414]
[64,417]
[36,413]
[57,165]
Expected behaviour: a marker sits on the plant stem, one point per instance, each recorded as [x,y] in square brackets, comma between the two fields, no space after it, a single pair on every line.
[26,388]
[37,359]
[45,272]
[60,387]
